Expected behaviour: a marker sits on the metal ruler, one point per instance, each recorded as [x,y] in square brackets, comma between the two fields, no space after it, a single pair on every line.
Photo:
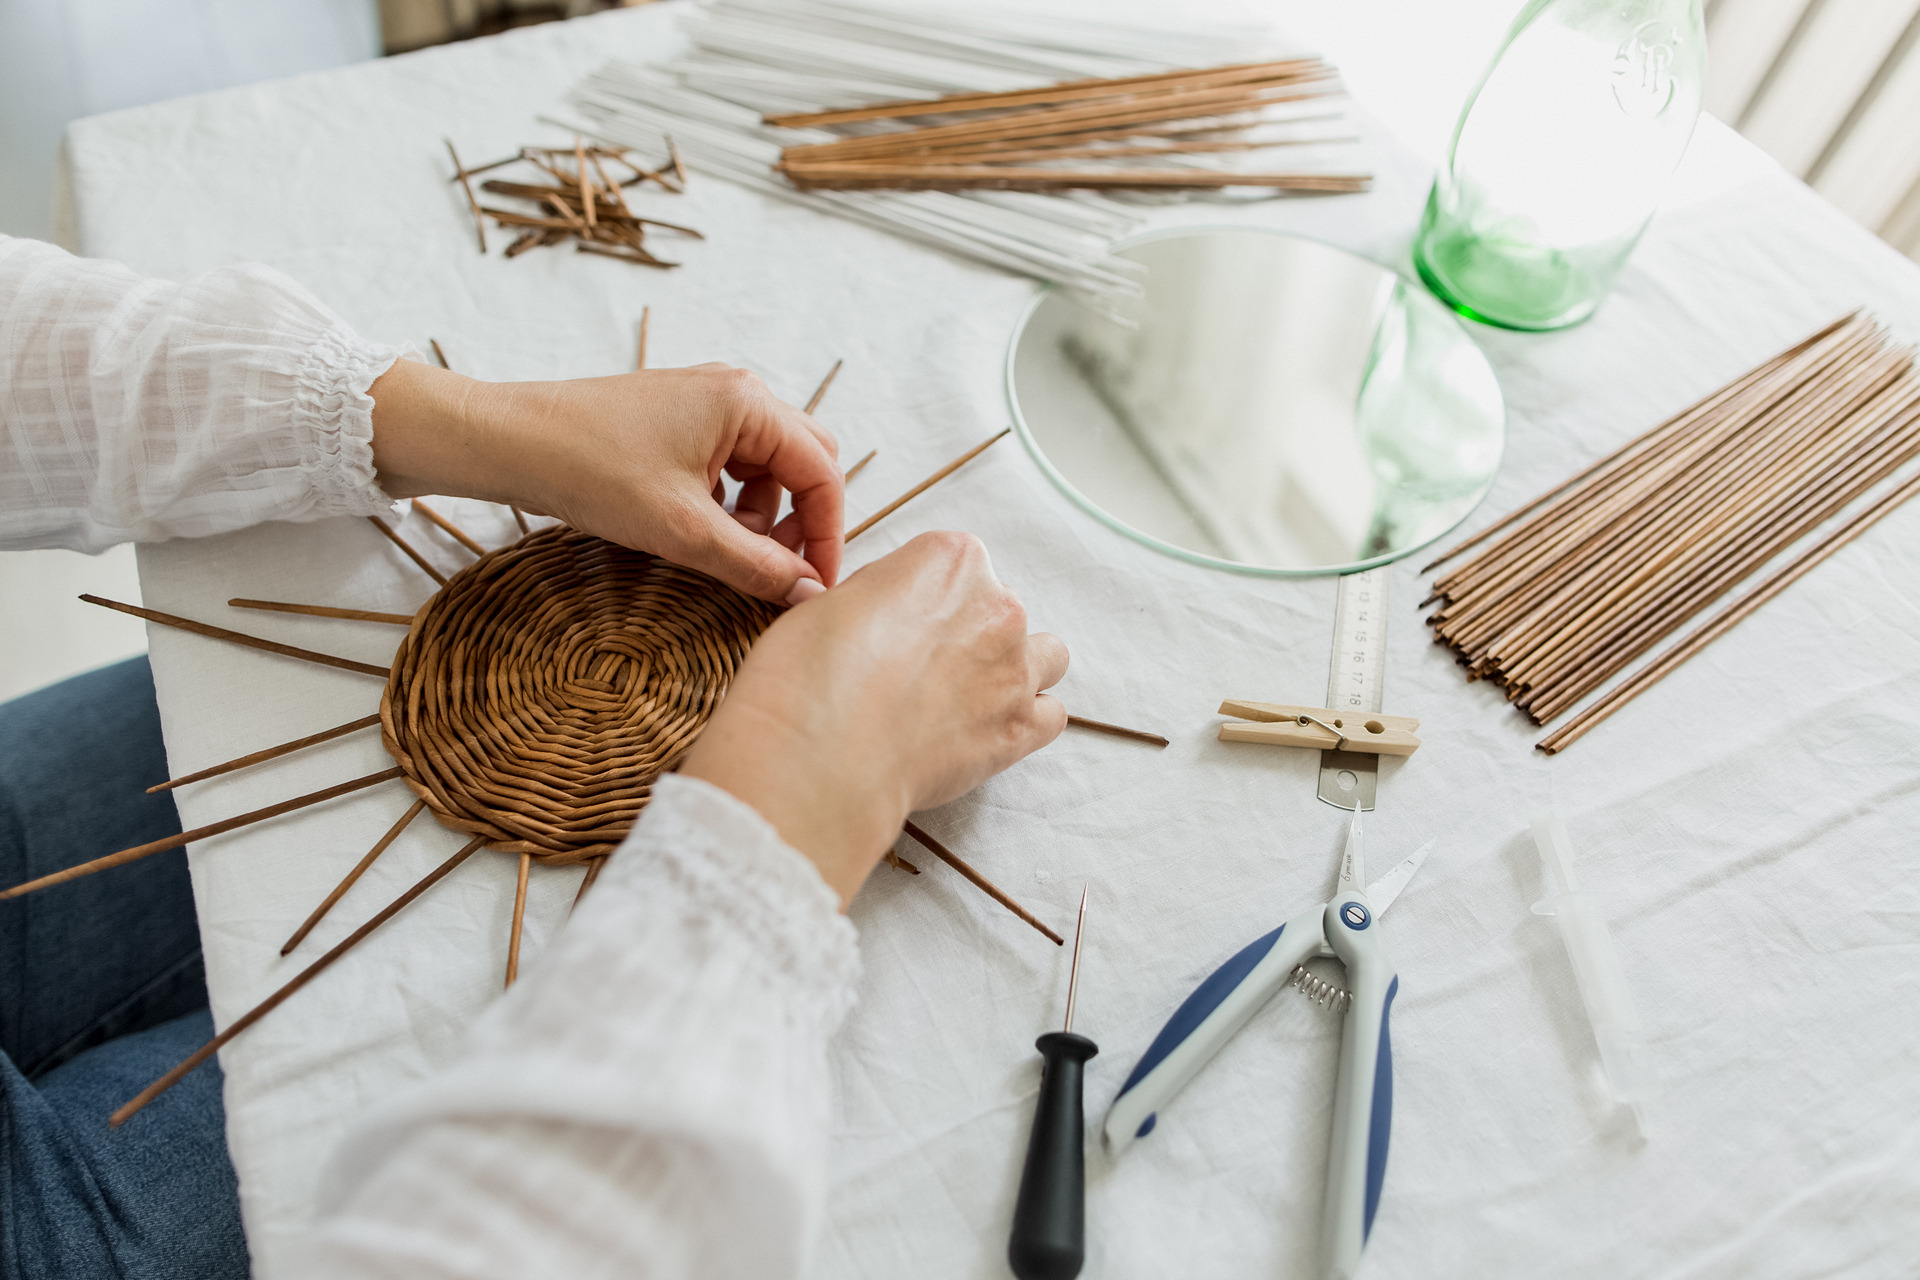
[1356,683]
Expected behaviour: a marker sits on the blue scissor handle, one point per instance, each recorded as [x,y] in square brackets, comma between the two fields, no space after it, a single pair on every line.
[1363,1092]
[1206,1020]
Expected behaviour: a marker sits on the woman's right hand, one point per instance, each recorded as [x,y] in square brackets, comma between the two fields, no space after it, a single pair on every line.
[902,688]
[635,459]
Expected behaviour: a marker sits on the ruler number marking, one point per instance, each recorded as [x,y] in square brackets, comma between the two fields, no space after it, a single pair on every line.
[1358,663]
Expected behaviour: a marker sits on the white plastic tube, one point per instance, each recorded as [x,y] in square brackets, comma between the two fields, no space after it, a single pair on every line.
[1596,968]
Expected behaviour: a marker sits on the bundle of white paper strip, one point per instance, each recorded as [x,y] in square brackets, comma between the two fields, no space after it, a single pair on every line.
[750,58]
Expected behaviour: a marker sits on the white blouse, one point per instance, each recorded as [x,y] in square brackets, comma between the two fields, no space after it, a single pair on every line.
[651,1098]
[136,410]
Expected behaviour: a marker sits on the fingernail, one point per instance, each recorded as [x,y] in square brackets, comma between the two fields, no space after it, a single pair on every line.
[803,590]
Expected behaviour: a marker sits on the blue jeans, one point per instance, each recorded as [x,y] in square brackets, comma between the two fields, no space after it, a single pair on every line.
[101,991]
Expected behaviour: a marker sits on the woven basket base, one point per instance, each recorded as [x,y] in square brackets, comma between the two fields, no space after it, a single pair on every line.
[540,693]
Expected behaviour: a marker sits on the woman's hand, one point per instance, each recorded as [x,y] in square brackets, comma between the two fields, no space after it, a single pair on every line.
[635,459]
[904,687]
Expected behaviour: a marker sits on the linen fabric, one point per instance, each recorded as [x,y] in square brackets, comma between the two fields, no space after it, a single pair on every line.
[135,409]
[1747,822]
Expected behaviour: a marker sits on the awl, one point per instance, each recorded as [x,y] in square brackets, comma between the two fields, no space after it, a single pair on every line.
[1049,1218]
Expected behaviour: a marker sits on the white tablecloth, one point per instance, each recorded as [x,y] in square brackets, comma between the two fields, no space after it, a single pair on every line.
[1750,821]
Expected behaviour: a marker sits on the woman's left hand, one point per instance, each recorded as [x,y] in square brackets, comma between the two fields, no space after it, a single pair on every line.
[635,459]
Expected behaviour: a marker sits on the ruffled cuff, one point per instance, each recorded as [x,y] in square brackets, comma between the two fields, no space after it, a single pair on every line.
[332,421]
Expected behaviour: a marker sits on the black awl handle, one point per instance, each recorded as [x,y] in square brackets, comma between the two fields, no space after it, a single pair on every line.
[1049,1218]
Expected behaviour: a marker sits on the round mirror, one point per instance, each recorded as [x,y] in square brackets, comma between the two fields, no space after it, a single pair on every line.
[1268,403]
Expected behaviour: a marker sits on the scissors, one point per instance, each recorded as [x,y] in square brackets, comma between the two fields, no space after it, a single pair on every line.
[1346,928]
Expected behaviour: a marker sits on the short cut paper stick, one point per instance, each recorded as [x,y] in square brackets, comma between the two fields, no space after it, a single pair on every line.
[273,1001]
[270,753]
[488,167]
[236,637]
[460,171]
[985,885]
[587,190]
[672,226]
[140,851]
[625,254]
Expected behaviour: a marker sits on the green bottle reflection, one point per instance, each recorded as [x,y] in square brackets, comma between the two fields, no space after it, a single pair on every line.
[1560,157]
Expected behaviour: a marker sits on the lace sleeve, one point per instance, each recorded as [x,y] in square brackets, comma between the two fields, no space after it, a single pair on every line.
[652,1096]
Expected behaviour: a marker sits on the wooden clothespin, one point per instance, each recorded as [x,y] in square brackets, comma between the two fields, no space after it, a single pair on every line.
[1317,728]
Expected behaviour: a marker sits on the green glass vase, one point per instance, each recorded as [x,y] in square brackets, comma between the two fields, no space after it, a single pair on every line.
[1560,157]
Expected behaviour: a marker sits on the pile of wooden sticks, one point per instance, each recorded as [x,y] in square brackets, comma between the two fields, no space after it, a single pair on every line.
[583,203]
[1109,134]
[1596,572]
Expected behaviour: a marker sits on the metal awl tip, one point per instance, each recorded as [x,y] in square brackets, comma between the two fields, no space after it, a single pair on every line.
[1073,972]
